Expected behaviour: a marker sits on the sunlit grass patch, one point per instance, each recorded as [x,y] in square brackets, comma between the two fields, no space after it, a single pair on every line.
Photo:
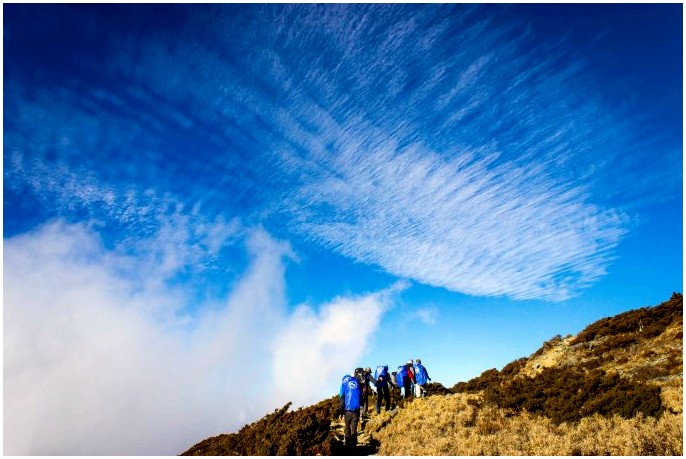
[452,426]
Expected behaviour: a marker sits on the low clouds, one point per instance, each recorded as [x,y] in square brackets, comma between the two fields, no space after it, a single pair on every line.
[316,345]
[78,349]
[95,364]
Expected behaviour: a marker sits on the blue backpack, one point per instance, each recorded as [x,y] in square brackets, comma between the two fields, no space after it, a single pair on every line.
[401,375]
[351,392]
[381,372]
[420,374]
[344,384]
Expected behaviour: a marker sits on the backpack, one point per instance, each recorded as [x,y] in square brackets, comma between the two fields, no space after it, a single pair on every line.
[400,376]
[344,384]
[381,372]
[351,393]
[420,373]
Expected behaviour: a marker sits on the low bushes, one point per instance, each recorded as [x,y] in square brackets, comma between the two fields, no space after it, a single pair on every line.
[484,380]
[305,431]
[639,323]
[568,394]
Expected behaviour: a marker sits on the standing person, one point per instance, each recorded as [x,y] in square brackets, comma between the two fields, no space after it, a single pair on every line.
[402,378]
[362,377]
[381,381]
[368,385]
[421,378]
[350,407]
[371,382]
[410,372]
[408,379]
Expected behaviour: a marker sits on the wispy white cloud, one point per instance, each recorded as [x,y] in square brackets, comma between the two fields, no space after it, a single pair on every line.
[496,193]
[427,315]
[466,225]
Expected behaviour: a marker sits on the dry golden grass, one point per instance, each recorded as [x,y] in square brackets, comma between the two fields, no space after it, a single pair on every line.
[651,353]
[450,426]
[673,395]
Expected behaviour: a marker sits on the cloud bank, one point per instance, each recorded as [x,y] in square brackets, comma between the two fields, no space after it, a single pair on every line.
[95,363]
[318,344]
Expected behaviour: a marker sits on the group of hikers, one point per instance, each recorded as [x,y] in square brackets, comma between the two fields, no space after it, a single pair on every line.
[409,379]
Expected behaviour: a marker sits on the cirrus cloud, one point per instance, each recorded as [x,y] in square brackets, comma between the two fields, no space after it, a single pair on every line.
[466,224]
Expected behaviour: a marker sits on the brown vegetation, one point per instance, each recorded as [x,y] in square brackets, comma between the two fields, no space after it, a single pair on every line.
[633,325]
[306,431]
[569,394]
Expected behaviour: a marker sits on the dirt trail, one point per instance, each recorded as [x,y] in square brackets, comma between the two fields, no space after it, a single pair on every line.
[366,445]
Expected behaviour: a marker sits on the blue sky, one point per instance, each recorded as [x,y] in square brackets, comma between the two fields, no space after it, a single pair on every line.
[212,210]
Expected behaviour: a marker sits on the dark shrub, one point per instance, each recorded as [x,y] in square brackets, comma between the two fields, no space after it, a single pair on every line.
[304,432]
[568,394]
[435,388]
[646,322]
[513,368]
[481,382]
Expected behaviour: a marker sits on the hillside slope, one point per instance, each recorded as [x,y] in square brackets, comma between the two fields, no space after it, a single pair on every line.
[615,388]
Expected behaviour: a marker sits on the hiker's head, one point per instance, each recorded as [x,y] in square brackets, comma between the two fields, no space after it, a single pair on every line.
[419,360]
[367,370]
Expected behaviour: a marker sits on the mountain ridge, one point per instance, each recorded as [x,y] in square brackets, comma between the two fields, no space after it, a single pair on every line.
[620,374]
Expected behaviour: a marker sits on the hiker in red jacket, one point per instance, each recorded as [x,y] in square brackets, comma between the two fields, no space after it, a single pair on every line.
[409,381]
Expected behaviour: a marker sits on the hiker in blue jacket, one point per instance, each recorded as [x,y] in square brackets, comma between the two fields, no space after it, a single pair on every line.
[421,378]
[350,407]
[383,390]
